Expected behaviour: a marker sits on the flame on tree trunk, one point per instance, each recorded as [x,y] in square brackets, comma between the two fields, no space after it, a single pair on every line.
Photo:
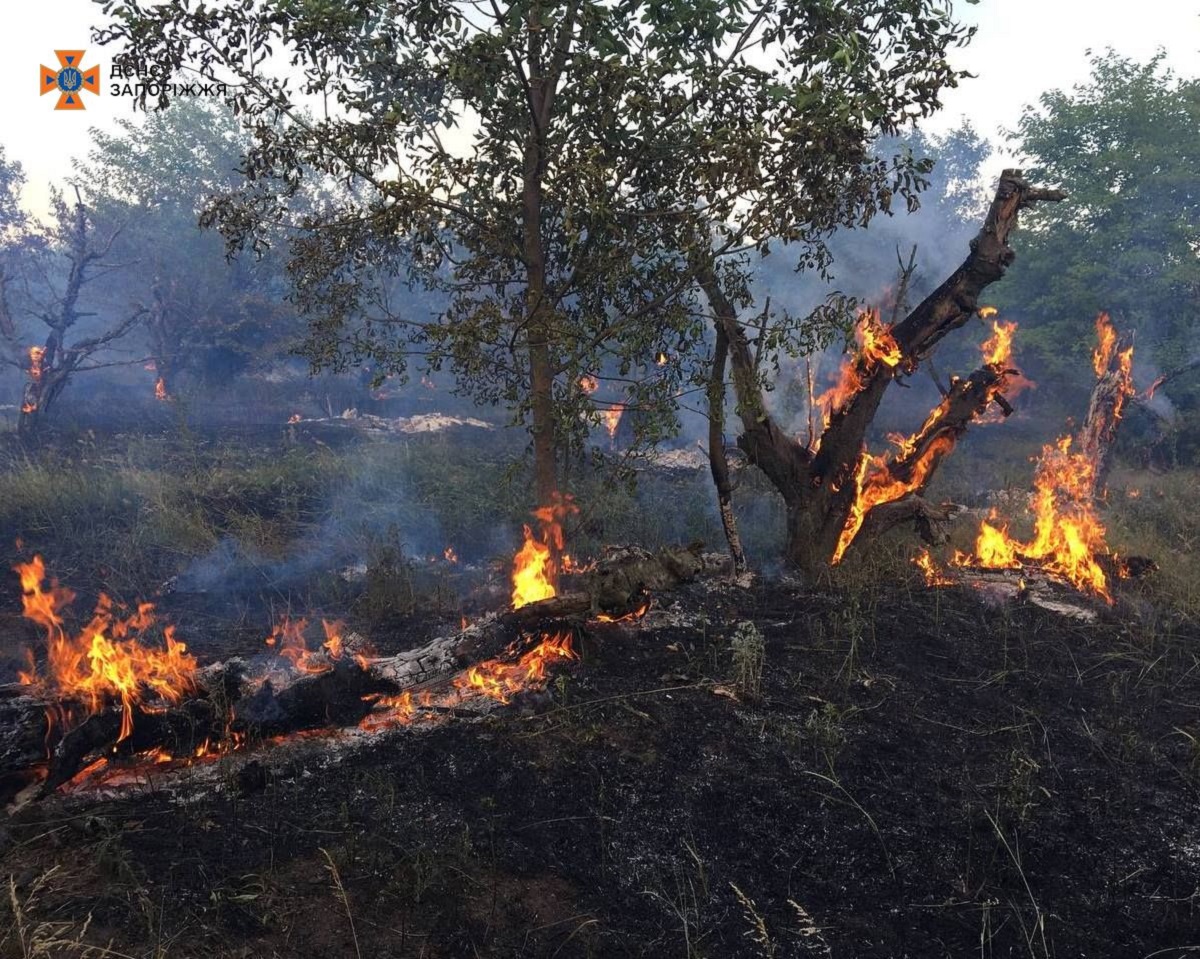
[835,486]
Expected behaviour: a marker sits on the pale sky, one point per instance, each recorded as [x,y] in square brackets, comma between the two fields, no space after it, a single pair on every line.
[1023,48]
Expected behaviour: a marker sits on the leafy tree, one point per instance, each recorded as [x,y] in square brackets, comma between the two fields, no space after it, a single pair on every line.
[15,236]
[1126,145]
[205,314]
[558,169]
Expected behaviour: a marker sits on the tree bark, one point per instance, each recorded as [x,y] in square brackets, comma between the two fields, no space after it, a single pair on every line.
[1112,391]
[537,304]
[717,463]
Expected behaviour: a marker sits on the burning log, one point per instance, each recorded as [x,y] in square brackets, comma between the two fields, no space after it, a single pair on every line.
[114,709]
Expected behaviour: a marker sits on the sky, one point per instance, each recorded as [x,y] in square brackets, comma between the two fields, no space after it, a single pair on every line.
[1022,49]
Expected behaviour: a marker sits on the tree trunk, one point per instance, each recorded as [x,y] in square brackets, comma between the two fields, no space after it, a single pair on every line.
[821,487]
[1113,389]
[537,306]
[717,463]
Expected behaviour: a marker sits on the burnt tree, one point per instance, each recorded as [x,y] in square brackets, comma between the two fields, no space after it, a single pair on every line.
[835,493]
[51,365]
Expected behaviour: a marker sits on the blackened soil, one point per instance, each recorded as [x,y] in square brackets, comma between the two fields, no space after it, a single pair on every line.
[922,775]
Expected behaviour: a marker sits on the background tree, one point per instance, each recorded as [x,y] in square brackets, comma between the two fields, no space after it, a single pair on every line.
[550,165]
[1127,145]
[206,315]
[65,260]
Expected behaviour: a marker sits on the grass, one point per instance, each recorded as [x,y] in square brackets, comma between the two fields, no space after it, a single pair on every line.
[132,511]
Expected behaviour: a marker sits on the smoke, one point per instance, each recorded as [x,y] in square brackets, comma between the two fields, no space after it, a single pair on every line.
[370,510]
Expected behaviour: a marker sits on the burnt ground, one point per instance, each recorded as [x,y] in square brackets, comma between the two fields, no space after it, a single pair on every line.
[922,775]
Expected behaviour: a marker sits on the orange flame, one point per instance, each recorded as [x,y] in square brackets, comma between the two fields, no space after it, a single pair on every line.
[933,576]
[876,485]
[1068,534]
[589,384]
[875,345]
[294,418]
[535,573]
[288,636]
[889,477]
[997,349]
[633,616]
[37,355]
[450,555]
[106,662]
[500,680]
[334,644]
[612,419]
[1106,335]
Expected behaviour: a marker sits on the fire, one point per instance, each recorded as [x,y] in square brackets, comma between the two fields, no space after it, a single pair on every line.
[160,389]
[1106,335]
[450,555]
[987,312]
[612,419]
[877,484]
[107,661]
[1067,534]
[875,341]
[333,644]
[997,349]
[1102,361]
[500,680]
[37,355]
[287,637]
[875,345]
[933,576]
[661,359]
[531,572]
[627,617]
[294,418]
[589,384]
[534,567]
[572,565]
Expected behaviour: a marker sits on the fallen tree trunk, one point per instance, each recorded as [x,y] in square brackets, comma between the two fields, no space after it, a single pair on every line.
[230,704]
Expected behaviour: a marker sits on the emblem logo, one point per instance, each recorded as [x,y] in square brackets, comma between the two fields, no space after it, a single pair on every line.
[69,79]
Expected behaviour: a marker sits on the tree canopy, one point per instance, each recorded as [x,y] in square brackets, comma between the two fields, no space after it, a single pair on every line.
[552,167]
[1126,145]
